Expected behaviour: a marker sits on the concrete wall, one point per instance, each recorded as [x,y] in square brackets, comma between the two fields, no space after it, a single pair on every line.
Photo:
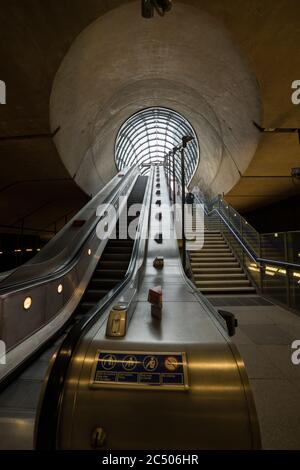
[185,61]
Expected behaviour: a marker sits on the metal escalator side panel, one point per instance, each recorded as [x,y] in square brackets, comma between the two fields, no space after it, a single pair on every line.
[62,248]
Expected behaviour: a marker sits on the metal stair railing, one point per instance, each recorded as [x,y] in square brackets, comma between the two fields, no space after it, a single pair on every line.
[270,260]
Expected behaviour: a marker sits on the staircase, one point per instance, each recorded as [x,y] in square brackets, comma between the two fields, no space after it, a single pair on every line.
[215,268]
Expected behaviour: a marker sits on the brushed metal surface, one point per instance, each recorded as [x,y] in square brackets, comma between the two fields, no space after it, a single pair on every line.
[216,412]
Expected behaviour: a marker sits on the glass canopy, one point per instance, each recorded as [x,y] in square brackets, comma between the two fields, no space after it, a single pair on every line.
[147,136]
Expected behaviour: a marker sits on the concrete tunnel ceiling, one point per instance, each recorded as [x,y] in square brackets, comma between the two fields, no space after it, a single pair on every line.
[186,61]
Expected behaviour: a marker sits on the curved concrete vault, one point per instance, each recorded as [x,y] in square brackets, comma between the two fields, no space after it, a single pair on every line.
[186,61]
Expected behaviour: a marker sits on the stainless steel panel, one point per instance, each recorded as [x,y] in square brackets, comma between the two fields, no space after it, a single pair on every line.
[54,299]
[217,411]
[18,323]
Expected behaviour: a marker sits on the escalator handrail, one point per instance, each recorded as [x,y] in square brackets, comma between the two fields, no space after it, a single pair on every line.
[258,260]
[51,399]
[111,198]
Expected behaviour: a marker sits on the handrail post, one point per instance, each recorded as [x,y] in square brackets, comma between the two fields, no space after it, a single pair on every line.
[242,238]
[182,210]
[260,266]
[170,178]
[287,275]
[174,190]
[219,208]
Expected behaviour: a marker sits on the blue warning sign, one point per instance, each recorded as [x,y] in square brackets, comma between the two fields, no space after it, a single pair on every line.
[144,369]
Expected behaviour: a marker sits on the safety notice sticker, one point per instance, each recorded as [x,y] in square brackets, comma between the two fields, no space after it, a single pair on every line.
[140,369]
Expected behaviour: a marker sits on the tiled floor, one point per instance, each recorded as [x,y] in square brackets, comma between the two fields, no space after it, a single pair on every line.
[264,339]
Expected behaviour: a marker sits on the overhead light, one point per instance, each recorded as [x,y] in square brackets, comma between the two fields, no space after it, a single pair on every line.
[186,139]
[18,251]
[295,173]
[160,6]
[89,252]
[147,9]
[29,250]
[27,303]
[276,235]
[60,288]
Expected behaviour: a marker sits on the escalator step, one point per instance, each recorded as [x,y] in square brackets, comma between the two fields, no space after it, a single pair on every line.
[116,256]
[112,264]
[120,242]
[110,273]
[118,249]
[98,283]
[94,294]
[85,307]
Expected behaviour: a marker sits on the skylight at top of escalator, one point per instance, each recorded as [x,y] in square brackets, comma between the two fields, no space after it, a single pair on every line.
[148,135]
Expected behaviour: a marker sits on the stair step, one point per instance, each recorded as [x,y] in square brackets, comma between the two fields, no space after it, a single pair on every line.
[219,276]
[219,247]
[218,270]
[212,259]
[223,283]
[219,250]
[214,262]
[213,243]
[227,290]
[213,235]
[203,255]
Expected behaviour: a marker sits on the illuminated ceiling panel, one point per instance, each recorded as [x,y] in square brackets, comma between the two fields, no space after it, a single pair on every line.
[147,136]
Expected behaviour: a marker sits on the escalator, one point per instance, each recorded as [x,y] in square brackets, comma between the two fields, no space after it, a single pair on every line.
[116,257]
[177,369]
[19,399]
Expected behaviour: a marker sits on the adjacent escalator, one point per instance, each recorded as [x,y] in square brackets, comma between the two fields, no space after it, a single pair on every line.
[19,396]
[116,256]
